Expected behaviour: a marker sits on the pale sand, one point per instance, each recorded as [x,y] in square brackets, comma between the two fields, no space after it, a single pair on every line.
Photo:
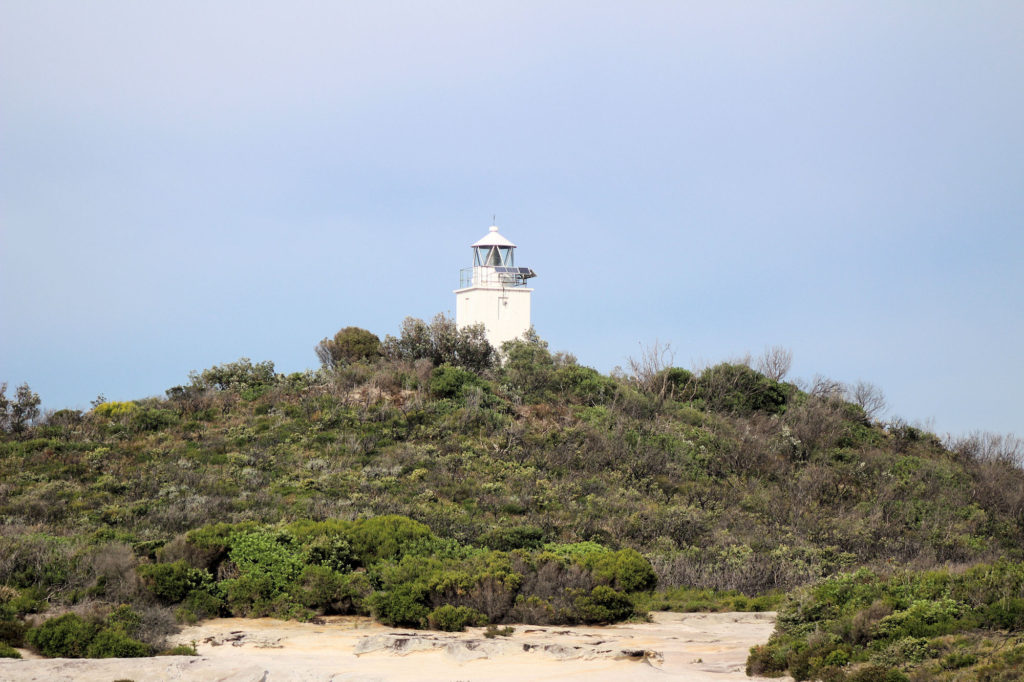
[683,646]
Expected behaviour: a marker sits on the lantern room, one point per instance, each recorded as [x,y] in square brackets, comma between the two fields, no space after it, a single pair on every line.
[494,250]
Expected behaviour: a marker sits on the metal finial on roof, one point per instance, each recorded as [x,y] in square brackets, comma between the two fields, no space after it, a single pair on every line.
[493,238]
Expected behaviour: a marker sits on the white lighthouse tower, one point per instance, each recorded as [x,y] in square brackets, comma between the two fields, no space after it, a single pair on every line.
[494,290]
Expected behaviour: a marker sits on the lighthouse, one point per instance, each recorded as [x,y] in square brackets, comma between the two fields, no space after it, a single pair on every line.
[494,291]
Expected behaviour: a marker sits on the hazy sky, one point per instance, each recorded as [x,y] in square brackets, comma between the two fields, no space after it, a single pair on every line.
[185,183]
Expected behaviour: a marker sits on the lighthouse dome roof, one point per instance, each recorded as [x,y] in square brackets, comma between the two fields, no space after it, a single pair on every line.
[493,238]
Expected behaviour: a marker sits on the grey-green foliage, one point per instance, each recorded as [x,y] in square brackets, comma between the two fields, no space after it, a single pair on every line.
[535,374]
[441,341]
[237,375]
[17,414]
[351,344]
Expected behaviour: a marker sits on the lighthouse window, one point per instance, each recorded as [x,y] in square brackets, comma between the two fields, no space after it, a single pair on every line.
[493,256]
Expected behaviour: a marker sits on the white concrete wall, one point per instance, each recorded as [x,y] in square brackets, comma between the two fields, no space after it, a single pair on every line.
[504,312]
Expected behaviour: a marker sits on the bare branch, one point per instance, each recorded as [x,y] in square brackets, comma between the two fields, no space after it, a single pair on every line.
[991,447]
[775,362]
[869,397]
[648,371]
[823,387]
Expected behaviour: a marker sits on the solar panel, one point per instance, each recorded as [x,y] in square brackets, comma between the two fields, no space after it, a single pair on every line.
[511,274]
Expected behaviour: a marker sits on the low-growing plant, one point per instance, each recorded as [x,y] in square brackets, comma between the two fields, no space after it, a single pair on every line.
[171,583]
[404,606]
[66,636]
[180,650]
[493,631]
[111,642]
[454,618]
[603,605]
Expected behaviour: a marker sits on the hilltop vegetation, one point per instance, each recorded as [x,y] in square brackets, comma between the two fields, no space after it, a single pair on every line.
[418,480]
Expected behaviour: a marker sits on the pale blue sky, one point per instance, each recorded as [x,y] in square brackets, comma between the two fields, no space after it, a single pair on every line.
[185,183]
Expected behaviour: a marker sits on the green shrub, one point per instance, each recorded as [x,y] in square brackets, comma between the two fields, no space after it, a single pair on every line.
[905,650]
[506,539]
[876,673]
[1007,614]
[626,570]
[351,344]
[741,390]
[958,660]
[267,556]
[454,618]
[334,552]
[837,658]
[114,643]
[584,385]
[326,590]
[923,618]
[152,419]
[603,605]
[441,341]
[529,368]
[448,381]
[403,606]
[172,582]
[180,650]
[207,546]
[249,596]
[680,383]
[198,605]
[12,631]
[236,376]
[66,636]
[8,651]
[386,537]
[767,659]
[125,619]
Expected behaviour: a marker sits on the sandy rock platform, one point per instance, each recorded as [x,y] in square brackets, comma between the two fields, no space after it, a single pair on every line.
[683,646]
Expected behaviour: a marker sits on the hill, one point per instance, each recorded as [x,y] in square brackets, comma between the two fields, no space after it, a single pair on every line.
[420,481]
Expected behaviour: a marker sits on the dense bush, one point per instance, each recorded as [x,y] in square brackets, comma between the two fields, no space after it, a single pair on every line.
[386,537]
[448,381]
[71,636]
[877,627]
[172,583]
[237,376]
[113,643]
[404,606]
[441,342]
[351,344]
[515,537]
[737,388]
[454,618]
[603,605]
[16,415]
[397,570]
[66,636]
[115,410]
[528,367]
